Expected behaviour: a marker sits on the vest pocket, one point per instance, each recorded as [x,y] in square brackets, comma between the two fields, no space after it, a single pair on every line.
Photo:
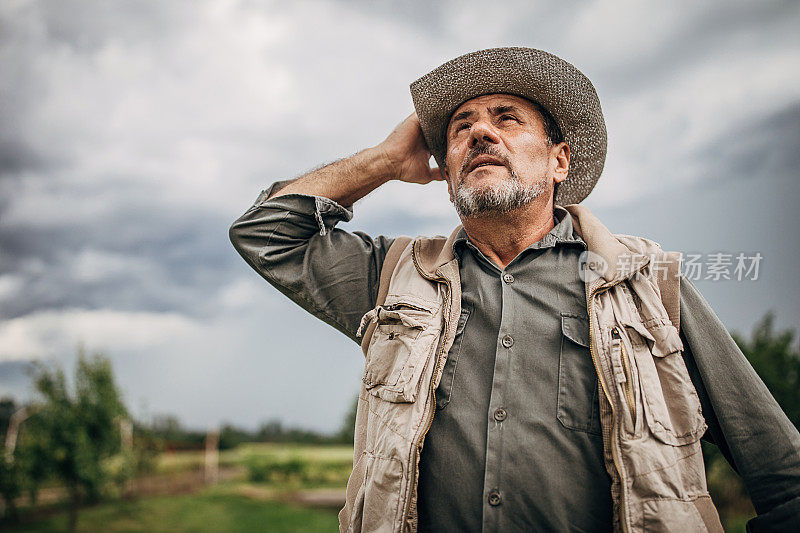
[578,395]
[373,494]
[398,349]
[684,515]
[672,407]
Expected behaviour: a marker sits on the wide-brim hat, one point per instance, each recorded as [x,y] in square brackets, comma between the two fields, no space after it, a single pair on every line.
[539,76]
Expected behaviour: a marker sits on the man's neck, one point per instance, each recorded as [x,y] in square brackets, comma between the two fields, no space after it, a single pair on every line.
[502,237]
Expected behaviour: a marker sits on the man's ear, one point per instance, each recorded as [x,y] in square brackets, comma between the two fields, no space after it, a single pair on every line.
[446,174]
[562,155]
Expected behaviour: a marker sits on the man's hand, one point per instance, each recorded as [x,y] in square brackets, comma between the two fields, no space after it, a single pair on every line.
[407,155]
[402,156]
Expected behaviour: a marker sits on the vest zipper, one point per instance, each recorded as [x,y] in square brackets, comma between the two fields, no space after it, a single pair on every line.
[431,392]
[622,372]
[402,305]
[614,428]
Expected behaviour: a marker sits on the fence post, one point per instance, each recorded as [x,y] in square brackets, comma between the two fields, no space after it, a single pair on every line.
[212,456]
[13,430]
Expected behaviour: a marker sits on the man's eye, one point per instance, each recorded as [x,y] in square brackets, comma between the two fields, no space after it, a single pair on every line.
[508,117]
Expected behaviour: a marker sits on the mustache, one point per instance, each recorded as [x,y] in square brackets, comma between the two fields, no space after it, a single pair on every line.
[483,149]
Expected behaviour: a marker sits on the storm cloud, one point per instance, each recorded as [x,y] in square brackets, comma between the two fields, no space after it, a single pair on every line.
[133,133]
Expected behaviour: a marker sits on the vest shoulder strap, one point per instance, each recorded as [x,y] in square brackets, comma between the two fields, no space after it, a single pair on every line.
[389,263]
[669,284]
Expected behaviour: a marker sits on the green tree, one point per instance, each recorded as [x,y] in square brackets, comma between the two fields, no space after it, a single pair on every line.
[347,430]
[74,432]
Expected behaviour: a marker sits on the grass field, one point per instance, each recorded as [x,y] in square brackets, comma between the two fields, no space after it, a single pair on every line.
[261,492]
[183,460]
[215,510]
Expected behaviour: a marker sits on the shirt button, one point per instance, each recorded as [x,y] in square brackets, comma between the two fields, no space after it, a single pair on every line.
[500,414]
[508,278]
[508,341]
[494,498]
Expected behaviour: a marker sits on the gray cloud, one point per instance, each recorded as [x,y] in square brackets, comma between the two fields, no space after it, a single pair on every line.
[132,134]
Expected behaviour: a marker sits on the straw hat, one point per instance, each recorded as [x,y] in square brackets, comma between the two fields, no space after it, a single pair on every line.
[561,88]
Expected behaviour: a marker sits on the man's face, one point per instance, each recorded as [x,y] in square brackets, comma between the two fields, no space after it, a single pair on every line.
[498,156]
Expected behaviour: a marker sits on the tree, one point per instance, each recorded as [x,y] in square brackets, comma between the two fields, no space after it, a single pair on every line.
[74,432]
[347,431]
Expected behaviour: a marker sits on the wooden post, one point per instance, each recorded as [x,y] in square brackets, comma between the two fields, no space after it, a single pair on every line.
[212,456]
[13,430]
[126,447]
[126,434]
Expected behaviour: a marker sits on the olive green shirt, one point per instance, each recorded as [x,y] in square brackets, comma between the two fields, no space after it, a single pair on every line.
[515,441]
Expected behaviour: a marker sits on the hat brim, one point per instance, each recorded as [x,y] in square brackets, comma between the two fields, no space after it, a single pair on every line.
[539,76]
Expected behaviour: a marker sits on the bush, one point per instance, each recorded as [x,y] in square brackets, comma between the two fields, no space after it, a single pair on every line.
[295,471]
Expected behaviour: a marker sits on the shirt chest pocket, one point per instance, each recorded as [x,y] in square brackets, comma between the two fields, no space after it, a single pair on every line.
[400,347]
[578,395]
[445,389]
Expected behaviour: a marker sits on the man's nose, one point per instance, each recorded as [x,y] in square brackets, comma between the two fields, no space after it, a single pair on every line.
[482,131]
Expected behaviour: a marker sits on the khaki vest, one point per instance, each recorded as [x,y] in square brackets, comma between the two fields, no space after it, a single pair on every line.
[649,410]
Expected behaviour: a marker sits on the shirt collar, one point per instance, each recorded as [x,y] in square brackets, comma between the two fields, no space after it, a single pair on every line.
[563,232]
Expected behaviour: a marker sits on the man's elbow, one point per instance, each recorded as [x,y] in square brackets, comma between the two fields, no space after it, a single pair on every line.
[235,234]
[240,234]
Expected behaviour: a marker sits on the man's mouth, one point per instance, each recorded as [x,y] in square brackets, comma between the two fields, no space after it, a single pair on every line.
[484,160]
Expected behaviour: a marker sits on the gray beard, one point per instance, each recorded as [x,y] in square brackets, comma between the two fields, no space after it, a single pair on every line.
[508,196]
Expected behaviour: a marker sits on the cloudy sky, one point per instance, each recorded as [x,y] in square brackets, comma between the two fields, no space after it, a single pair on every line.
[133,133]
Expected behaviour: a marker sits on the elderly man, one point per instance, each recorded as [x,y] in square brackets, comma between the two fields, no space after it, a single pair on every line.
[532,371]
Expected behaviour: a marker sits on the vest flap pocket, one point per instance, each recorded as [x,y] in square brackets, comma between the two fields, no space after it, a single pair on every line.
[398,349]
[666,340]
[661,336]
[672,407]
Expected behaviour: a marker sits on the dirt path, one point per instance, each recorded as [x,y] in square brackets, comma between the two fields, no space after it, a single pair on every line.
[177,483]
[320,498]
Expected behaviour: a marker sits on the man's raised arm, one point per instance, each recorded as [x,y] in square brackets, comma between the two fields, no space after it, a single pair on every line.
[289,237]
[402,156]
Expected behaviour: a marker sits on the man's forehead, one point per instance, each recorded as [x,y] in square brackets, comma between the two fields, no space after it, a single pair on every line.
[491,100]
[494,99]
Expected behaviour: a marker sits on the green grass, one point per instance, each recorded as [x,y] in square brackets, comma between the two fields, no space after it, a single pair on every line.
[172,462]
[297,467]
[211,511]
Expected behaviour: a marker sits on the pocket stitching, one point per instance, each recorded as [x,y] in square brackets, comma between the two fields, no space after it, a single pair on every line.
[466,312]
[589,427]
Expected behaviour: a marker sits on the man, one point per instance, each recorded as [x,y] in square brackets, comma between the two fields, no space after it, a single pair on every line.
[506,388]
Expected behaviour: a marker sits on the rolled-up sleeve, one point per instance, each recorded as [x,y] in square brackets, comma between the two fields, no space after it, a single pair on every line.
[292,242]
[761,442]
